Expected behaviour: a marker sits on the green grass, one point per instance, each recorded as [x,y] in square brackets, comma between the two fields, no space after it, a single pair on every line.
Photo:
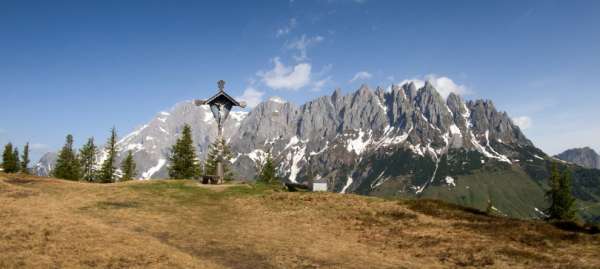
[510,190]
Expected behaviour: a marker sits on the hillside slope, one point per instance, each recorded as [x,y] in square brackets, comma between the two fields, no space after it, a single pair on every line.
[179,224]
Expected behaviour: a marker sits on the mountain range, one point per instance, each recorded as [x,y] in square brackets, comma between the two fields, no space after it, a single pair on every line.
[407,142]
[585,157]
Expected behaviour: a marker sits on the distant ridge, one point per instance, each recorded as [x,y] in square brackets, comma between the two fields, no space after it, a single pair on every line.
[585,157]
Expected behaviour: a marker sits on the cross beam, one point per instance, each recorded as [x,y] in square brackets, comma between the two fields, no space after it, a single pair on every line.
[220,105]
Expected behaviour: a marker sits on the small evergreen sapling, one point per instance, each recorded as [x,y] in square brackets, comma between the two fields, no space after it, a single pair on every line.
[108,169]
[87,158]
[8,159]
[183,162]
[16,161]
[25,159]
[562,202]
[128,167]
[67,164]
[268,172]
[212,158]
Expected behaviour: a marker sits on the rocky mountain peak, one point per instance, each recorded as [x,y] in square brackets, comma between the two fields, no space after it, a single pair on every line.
[586,157]
[410,89]
[363,121]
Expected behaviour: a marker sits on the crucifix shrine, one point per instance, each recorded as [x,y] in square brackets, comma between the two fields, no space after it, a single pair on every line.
[220,106]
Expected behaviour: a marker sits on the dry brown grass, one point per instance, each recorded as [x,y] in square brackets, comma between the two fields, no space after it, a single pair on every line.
[49,223]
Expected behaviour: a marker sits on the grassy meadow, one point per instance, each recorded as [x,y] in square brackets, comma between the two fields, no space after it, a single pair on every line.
[51,223]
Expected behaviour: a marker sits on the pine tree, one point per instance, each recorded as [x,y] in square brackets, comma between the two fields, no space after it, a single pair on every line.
[25,159]
[183,162]
[16,161]
[562,202]
[107,172]
[8,159]
[128,167]
[212,158]
[268,172]
[67,164]
[87,158]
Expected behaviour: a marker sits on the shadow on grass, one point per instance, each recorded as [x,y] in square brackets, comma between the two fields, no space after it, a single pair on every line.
[440,209]
[573,226]
[480,220]
[188,192]
[116,205]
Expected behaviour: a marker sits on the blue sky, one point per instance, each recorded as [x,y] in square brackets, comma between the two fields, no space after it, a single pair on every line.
[81,67]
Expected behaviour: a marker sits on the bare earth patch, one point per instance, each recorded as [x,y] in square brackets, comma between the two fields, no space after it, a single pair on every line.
[49,223]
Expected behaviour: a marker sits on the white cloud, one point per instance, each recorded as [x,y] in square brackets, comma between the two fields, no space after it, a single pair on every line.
[442,84]
[282,77]
[362,75]
[418,83]
[288,28]
[445,85]
[251,96]
[302,44]
[523,122]
[319,84]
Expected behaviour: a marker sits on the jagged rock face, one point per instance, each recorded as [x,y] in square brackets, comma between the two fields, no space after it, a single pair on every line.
[331,132]
[151,143]
[45,165]
[585,157]
[330,136]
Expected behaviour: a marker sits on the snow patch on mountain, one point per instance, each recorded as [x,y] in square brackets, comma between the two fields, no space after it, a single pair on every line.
[257,155]
[148,174]
[296,157]
[312,153]
[360,143]
[348,183]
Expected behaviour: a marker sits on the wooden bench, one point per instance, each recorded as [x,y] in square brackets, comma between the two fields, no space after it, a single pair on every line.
[292,187]
[209,179]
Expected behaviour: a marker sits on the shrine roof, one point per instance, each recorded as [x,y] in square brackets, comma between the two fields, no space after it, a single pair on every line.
[222,95]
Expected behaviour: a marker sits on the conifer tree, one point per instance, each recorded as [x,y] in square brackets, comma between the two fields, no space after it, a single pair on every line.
[562,202]
[25,159]
[8,159]
[67,164]
[212,158]
[128,167]
[268,172]
[107,172]
[87,158]
[16,161]
[183,162]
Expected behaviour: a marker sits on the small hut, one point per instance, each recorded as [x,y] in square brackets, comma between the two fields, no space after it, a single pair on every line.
[319,184]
